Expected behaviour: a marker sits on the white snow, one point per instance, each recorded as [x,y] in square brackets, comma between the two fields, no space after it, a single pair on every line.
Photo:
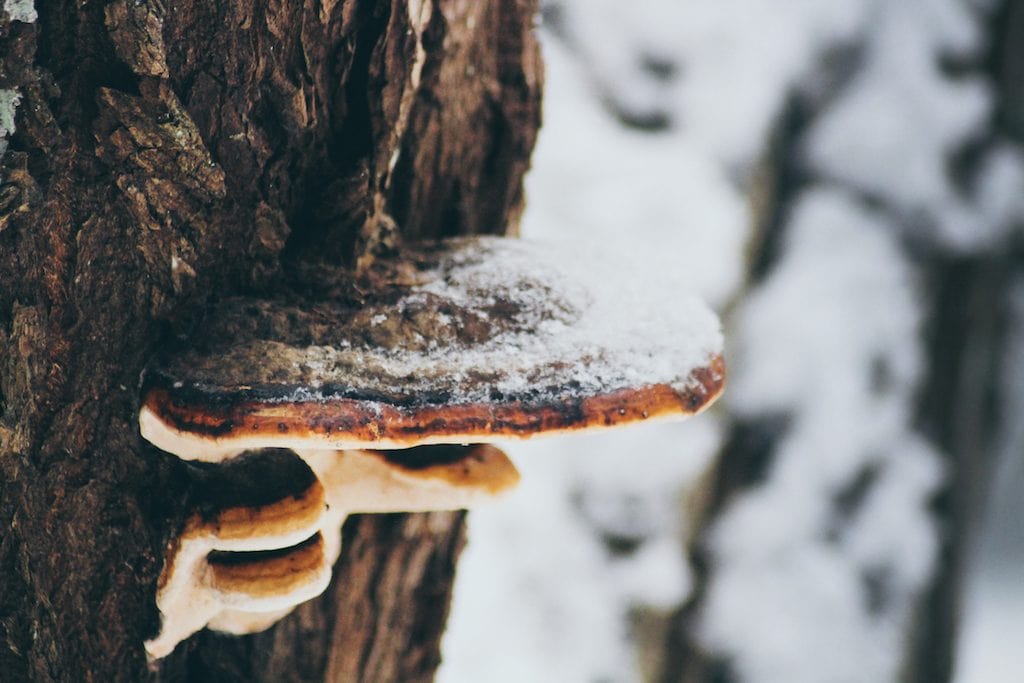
[741,59]
[894,129]
[537,559]
[658,199]
[615,319]
[737,60]
[827,555]
[990,650]
[827,315]
[535,575]
[21,10]
[552,321]
[792,570]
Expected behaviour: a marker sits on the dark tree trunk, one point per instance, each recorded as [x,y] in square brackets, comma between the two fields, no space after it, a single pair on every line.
[165,154]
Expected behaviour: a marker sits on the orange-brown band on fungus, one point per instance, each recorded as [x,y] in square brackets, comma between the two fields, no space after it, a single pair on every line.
[279,517]
[366,423]
[481,466]
[268,573]
[299,511]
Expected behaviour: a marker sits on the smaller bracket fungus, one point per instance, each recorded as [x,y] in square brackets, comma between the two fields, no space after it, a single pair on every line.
[471,340]
[241,567]
[261,551]
[424,479]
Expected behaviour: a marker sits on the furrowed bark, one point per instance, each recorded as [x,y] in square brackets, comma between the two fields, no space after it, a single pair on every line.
[165,155]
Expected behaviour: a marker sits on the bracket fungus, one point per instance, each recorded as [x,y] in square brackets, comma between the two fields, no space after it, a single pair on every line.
[464,341]
[239,565]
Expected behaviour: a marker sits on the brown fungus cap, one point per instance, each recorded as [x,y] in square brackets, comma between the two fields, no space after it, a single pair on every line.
[468,340]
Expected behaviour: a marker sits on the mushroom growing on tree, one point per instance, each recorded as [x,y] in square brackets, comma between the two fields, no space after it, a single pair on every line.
[462,341]
[241,564]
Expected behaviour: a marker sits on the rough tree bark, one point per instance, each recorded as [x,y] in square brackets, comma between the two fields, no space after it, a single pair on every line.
[166,154]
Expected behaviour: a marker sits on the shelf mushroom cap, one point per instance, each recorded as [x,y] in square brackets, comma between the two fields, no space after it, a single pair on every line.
[265,547]
[256,546]
[466,340]
[422,479]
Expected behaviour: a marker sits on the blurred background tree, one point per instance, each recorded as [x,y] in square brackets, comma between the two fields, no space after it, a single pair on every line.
[844,183]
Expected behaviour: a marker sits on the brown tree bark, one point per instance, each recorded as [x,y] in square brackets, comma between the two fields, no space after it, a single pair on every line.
[167,154]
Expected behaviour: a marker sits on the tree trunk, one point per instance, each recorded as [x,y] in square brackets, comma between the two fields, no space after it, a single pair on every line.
[959,402]
[166,154]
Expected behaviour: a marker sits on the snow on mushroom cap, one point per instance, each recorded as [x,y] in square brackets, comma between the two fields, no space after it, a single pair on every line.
[470,339]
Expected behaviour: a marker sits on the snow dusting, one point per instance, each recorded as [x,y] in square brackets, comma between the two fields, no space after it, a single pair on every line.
[485,320]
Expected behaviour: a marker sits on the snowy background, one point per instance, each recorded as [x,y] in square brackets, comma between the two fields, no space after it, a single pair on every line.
[796,163]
